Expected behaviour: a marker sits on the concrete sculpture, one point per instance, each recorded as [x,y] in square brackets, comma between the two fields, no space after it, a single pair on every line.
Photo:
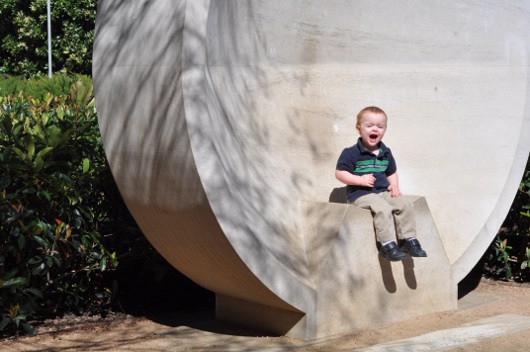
[222,122]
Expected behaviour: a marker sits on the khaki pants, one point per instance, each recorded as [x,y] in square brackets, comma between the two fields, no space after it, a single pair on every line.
[390,214]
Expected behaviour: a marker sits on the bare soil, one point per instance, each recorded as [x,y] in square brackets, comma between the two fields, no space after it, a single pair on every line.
[198,330]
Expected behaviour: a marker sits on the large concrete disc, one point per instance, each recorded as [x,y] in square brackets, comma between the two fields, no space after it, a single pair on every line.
[220,118]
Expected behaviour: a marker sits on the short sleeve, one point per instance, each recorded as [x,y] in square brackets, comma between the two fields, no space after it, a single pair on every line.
[346,161]
[392,167]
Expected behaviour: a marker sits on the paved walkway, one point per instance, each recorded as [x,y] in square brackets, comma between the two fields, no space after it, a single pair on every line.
[447,339]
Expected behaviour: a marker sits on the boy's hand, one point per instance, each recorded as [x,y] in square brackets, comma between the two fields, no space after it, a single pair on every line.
[367,180]
[394,191]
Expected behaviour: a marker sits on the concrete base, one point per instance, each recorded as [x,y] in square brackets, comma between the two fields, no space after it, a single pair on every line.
[259,317]
[449,339]
[354,286]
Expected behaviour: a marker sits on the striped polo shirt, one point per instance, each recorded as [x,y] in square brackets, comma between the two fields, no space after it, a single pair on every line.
[359,161]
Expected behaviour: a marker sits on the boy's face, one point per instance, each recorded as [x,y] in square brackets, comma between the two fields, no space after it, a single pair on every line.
[372,128]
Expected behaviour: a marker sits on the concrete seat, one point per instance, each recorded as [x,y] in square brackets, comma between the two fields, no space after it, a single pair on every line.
[353,286]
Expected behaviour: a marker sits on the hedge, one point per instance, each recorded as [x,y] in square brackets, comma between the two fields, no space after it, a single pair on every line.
[54,203]
[508,257]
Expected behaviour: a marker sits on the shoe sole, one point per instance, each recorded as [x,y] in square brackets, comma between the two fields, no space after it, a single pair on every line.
[405,249]
[392,259]
[415,255]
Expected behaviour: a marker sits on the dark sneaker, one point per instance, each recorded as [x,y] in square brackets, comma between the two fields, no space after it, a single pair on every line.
[413,247]
[392,252]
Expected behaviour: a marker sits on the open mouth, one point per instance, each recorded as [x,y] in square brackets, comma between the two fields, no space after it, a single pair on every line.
[373,137]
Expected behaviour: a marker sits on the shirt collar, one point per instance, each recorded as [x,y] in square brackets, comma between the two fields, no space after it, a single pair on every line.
[363,150]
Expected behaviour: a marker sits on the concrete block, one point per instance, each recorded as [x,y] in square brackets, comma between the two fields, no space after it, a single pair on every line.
[353,286]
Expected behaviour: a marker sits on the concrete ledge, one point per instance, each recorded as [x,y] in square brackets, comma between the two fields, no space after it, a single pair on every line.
[354,286]
[459,337]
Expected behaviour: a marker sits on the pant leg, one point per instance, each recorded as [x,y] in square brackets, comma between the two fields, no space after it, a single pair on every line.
[382,213]
[403,211]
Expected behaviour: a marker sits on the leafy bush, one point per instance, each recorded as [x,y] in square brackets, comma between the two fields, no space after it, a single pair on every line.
[54,183]
[36,87]
[509,255]
[24,49]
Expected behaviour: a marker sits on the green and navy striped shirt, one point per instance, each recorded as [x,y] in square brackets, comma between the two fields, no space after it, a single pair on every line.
[359,161]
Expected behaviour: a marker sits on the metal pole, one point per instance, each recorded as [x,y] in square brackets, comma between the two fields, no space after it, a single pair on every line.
[49,38]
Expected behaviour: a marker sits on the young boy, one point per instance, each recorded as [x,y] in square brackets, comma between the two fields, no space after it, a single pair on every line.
[369,171]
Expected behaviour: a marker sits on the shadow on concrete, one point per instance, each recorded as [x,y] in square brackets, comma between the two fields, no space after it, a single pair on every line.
[472,280]
[177,301]
[408,269]
[148,144]
[163,301]
[338,195]
[388,275]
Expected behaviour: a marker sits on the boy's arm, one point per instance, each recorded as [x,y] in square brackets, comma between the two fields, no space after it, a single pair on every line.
[348,178]
[393,180]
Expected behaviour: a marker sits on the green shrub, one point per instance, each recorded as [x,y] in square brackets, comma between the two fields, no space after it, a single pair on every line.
[37,87]
[54,183]
[508,257]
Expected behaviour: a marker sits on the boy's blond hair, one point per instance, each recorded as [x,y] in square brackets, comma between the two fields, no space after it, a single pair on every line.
[373,109]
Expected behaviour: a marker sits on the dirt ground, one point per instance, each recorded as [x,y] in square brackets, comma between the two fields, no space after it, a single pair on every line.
[198,331]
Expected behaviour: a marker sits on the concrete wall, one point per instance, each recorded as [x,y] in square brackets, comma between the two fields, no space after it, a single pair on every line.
[222,119]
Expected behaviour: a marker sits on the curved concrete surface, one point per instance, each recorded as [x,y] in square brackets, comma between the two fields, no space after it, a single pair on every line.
[221,119]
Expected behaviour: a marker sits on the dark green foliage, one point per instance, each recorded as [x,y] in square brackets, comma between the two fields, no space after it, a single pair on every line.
[23,30]
[64,225]
[36,87]
[54,183]
[509,255]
